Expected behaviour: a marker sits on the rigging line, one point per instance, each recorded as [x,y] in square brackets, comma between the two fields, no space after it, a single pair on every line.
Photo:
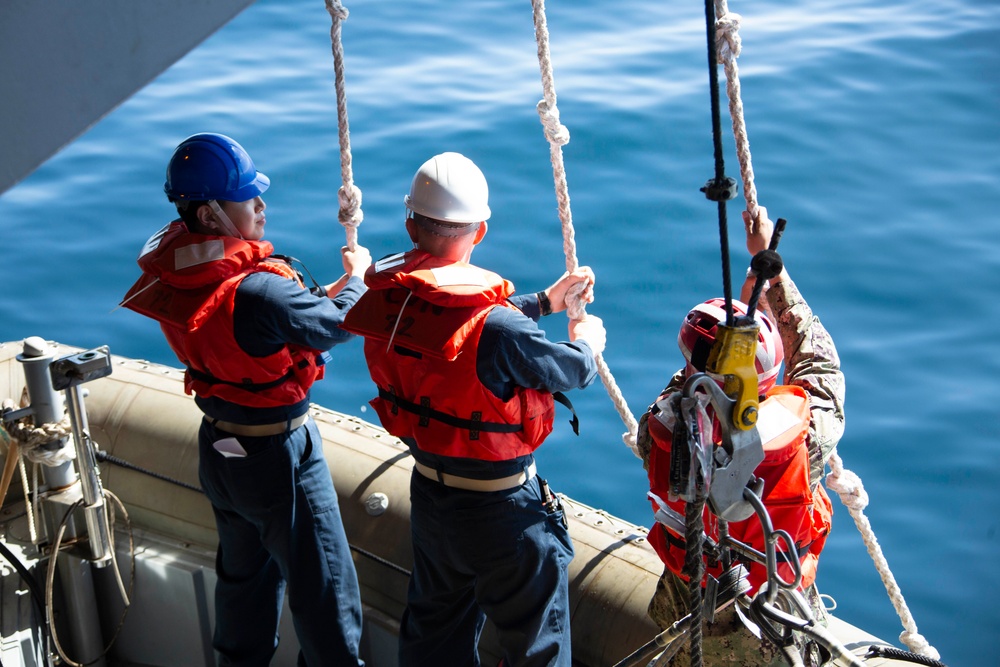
[349,195]
[720,188]
[558,135]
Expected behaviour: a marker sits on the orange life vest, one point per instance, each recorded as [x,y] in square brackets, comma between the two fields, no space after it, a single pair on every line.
[188,285]
[422,319]
[804,514]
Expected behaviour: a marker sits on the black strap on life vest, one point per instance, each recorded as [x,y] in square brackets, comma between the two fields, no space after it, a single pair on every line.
[564,399]
[475,425]
[246,383]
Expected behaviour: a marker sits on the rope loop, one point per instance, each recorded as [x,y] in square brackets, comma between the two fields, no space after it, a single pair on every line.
[727,36]
[556,133]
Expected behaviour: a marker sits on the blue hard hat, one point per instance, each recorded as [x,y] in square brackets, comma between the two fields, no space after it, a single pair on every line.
[212,166]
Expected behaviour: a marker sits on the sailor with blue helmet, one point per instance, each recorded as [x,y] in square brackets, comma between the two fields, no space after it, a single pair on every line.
[253,340]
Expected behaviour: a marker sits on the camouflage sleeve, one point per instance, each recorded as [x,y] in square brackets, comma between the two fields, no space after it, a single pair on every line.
[811,362]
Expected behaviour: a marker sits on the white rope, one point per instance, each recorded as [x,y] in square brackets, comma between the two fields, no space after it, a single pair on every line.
[349,195]
[727,38]
[558,135]
[30,506]
[852,494]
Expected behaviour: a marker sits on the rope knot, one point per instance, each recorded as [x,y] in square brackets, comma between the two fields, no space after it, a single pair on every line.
[849,487]
[918,644]
[46,444]
[727,36]
[555,131]
[350,214]
[337,10]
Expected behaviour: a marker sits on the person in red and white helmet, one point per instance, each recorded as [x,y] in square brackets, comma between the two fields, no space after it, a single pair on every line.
[800,422]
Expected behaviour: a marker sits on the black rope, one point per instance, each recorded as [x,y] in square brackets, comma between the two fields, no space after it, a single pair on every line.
[694,567]
[122,463]
[875,651]
[766,264]
[720,188]
[380,560]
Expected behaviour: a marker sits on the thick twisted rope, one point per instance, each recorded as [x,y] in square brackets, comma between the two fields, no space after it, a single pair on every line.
[728,44]
[558,136]
[349,195]
[854,497]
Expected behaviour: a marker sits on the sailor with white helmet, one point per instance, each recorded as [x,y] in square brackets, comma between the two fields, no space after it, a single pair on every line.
[253,340]
[467,379]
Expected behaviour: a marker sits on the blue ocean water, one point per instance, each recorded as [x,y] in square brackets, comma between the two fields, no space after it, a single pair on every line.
[873,129]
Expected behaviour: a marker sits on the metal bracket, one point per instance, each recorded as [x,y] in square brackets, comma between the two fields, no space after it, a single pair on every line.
[739,454]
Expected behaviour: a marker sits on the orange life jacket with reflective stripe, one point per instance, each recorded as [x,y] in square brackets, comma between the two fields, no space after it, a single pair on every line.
[806,515]
[422,319]
[189,286]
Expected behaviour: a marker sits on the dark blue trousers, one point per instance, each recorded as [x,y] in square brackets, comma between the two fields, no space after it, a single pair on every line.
[279,523]
[476,555]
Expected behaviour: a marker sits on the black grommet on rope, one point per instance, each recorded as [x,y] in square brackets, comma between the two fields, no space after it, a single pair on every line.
[721,189]
[767,264]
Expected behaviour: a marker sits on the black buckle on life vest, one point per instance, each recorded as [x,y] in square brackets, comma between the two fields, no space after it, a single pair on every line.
[425,411]
[477,420]
[392,399]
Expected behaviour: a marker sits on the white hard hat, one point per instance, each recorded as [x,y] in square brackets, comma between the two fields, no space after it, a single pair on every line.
[449,187]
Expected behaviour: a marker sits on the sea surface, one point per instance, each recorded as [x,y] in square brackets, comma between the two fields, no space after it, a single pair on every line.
[874,130]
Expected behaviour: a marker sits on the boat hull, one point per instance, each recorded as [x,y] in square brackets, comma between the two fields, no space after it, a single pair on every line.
[139,416]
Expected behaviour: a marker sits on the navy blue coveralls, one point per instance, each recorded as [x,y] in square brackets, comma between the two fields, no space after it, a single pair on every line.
[276,508]
[496,554]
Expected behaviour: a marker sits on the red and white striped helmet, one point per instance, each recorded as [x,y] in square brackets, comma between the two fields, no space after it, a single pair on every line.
[697,335]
